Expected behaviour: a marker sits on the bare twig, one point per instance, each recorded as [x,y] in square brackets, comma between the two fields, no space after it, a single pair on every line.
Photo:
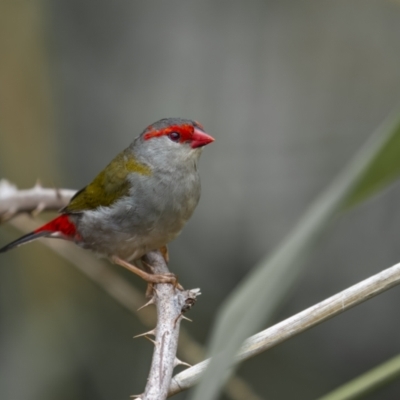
[170,303]
[34,200]
[298,323]
[13,202]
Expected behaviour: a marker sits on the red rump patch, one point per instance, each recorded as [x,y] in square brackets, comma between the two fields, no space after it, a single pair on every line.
[61,224]
[185,130]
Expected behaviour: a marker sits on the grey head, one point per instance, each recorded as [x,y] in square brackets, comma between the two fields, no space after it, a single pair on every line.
[171,141]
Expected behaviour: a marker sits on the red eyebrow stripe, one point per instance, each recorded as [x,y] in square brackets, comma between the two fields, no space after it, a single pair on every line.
[185,130]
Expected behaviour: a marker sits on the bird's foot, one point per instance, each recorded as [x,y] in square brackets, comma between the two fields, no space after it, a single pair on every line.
[150,278]
[165,278]
[168,277]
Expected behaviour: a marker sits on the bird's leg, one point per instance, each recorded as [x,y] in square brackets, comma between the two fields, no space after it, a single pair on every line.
[149,290]
[164,252]
[150,278]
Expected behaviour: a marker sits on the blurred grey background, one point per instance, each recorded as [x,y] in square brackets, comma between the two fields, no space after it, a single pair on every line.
[289,89]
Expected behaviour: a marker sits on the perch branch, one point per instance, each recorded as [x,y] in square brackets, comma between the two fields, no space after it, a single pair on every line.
[298,323]
[171,303]
[14,202]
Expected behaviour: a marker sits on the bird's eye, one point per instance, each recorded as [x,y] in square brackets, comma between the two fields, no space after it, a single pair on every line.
[174,136]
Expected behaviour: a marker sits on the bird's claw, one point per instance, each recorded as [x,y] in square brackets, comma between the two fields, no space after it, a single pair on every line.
[168,277]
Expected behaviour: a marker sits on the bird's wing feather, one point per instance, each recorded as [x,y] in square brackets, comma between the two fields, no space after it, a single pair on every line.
[110,185]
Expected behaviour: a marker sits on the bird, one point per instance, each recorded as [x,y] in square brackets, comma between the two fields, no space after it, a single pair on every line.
[141,200]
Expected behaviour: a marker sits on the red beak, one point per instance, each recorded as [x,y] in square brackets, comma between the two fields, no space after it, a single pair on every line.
[200,138]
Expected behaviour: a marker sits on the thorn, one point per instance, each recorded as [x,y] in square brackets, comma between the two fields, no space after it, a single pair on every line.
[152,332]
[177,362]
[150,302]
[38,184]
[40,207]
[58,193]
[151,340]
[183,317]
[136,396]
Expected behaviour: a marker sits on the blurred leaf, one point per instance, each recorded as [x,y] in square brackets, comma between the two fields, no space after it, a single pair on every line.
[383,170]
[253,302]
[368,382]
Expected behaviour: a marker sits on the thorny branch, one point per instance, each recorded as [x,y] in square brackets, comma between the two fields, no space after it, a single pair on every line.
[171,303]
[32,201]
[13,202]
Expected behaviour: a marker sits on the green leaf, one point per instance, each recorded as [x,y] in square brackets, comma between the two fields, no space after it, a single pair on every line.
[368,382]
[383,170]
[253,302]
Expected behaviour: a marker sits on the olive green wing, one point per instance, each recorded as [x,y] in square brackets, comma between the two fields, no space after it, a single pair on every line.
[110,185]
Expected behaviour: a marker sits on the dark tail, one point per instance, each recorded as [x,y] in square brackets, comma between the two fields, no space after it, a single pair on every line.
[29,237]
